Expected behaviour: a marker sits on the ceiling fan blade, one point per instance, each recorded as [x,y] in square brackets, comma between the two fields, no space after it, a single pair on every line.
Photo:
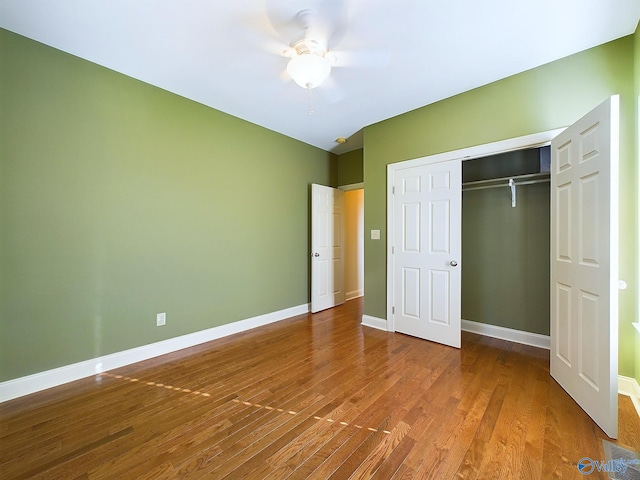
[258,32]
[363,58]
[328,19]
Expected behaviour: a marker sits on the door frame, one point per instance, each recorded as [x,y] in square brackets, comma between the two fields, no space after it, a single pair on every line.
[469,153]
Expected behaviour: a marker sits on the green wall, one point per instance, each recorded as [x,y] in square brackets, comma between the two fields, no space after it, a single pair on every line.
[351,167]
[119,200]
[548,97]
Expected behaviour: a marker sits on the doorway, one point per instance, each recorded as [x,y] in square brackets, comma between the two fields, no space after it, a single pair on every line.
[354,243]
[337,245]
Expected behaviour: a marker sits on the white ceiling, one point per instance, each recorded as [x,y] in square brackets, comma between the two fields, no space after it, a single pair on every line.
[227,53]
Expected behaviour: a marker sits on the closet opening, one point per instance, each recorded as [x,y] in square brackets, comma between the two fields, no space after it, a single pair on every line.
[505,241]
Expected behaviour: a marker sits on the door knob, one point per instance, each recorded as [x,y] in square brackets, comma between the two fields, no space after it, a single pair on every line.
[316,254]
[453,263]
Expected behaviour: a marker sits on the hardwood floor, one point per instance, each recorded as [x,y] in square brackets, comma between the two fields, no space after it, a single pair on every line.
[315,396]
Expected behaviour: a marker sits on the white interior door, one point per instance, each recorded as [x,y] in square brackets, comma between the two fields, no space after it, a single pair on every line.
[427,248]
[584,263]
[327,247]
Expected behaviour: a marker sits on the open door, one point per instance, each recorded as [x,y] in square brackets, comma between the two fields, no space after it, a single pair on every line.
[427,247]
[584,263]
[327,247]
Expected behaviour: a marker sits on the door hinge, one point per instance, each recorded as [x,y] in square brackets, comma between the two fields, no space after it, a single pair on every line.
[393,310]
[393,190]
[393,250]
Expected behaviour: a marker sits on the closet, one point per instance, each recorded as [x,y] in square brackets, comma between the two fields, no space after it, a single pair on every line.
[505,240]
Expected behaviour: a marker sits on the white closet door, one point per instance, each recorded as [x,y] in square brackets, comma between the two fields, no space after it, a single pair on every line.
[427,248]
[584,263]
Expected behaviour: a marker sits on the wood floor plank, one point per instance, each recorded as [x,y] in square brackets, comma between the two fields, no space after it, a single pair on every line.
[474,457]
[271,444]
[553,433]
[382,450]
[628,424]
[365,403]
[531,468]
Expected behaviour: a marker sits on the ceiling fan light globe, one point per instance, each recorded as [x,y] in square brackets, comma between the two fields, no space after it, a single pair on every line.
[308,70]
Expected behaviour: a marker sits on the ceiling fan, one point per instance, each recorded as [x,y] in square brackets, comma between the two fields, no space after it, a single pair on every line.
[310,61]
[314,35]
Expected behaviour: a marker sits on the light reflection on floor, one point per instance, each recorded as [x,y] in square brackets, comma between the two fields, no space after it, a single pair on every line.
[235,400]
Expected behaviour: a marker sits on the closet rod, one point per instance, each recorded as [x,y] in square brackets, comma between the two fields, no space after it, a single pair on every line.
[526,179]
[505,184]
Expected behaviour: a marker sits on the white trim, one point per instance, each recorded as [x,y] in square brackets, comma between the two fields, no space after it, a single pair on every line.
[517,336]
[352,186]
[375,322]
[354,294]
[494,148]
[630,387]
[51,378]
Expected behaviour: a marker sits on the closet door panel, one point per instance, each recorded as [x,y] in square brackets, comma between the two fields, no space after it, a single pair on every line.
[584,266]
[427,250]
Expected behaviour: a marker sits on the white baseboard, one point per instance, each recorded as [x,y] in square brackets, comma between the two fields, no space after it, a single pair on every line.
[517,336]
[51,378]
[354,294]
[374,322]
[630,387]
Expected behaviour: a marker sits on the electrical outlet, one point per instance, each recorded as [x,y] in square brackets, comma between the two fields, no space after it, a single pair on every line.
[161,319]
